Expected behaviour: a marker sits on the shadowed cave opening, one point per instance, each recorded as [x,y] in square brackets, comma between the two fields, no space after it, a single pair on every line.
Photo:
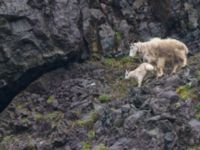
[8,92]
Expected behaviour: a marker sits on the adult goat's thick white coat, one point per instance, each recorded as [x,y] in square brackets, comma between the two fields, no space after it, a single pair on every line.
[158,52]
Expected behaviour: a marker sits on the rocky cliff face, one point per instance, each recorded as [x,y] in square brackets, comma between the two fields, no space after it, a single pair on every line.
[90,106]
[39,35]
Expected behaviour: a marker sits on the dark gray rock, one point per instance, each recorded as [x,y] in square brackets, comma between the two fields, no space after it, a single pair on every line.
[195,129]
[120,144]
[172,96]
[44,145]
[130,123]
[107,39]
[34,41]
[159,105]
[170,140]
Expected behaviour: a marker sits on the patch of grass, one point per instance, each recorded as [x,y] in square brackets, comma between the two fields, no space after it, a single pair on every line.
[186,92]
[38,116]
[193,148]
[197,74]
[102,147]
[25,120]
[3,22]
[91,135]
[104,98]
[77,112]
[94,46]
[7,138]
[89,121]
[119,63]
[109,61]
[197,107]
[118,36]
[86,146]
[120,87]
[30,146]
[49,116]
[52,115]
[197,116]
[19,106]
[51,100]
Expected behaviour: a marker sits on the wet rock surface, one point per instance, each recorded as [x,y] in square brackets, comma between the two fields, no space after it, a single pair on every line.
[82,107]
[38,36]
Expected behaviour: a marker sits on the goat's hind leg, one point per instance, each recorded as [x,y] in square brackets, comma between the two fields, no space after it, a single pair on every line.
[183,57]
[176,66]
[184,61]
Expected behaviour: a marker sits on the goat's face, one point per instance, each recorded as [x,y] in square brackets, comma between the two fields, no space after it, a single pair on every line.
[126,74]
[133,49]
[149,67]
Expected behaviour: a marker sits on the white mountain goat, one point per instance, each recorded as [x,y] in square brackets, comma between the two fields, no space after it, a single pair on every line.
[139,73]
[158,52]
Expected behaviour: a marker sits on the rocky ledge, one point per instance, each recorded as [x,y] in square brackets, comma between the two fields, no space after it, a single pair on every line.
[37,36]
[90,106]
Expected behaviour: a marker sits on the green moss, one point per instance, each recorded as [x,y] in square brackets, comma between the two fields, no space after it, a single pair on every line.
[91,135]
[186,92]
[86,146]
[102,147]
[104,98]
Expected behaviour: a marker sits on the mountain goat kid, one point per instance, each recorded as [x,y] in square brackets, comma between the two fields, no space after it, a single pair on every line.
[139,73]
[158,52]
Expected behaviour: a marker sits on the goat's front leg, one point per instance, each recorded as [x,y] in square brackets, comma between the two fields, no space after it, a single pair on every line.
[175,69]
[140,79]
